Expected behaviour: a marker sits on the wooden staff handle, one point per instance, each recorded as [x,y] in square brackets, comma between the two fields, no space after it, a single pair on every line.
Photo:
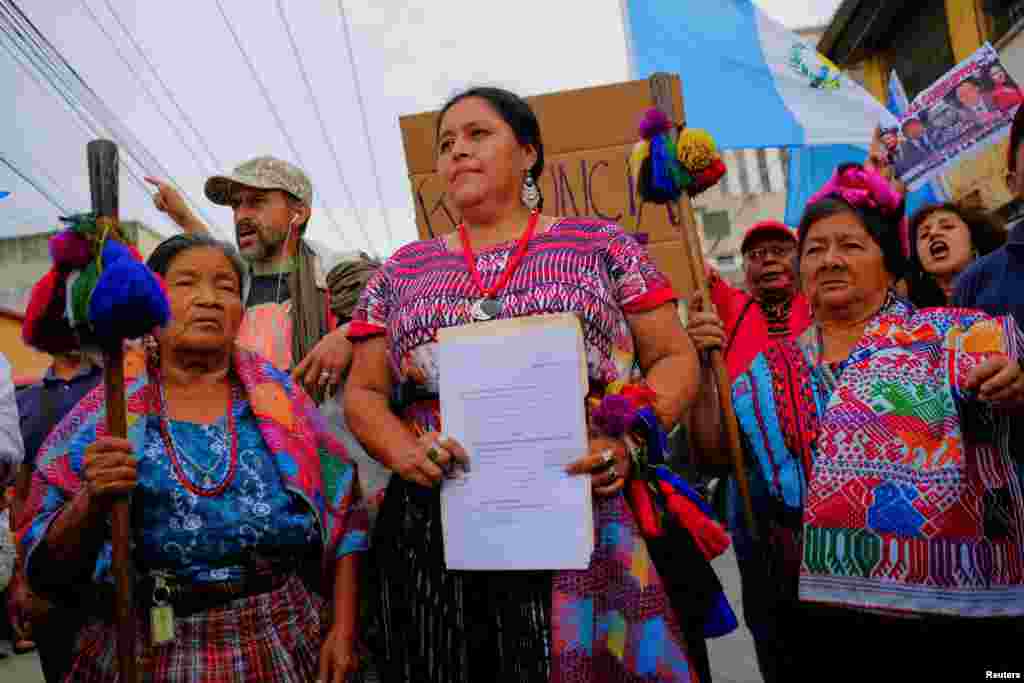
[103,184]
[661,85]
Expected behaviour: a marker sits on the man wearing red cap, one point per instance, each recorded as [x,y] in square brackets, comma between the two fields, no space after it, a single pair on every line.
[743,323]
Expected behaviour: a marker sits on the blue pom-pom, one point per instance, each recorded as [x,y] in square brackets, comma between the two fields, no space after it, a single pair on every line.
[720,620]
[114,252]
[661,176]
[128,301]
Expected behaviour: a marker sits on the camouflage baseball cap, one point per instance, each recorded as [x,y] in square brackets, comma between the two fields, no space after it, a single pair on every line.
[263,173]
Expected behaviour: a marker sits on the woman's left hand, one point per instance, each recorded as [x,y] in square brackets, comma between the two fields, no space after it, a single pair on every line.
[1000,381]
[337,657]
[608,465]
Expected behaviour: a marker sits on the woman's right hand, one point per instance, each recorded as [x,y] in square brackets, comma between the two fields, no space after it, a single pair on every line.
[109,470]
[435,457]
[705,328]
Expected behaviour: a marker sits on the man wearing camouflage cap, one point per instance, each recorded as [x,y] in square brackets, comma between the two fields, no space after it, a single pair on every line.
[287,319]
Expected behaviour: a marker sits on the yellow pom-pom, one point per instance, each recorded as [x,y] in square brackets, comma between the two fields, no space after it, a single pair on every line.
[696,149]
[641,151]
[615,387]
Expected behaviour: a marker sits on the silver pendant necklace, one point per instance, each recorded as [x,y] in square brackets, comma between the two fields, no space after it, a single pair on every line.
[486,309]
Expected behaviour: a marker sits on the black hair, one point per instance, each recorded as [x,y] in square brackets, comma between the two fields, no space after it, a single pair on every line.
[514,111]
[884,229]
[987,235]
[171,248]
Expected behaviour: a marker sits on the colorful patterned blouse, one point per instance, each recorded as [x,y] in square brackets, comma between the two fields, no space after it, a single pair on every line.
[615,615]
[590,267]
[200,539]
[309,463]
[910,498]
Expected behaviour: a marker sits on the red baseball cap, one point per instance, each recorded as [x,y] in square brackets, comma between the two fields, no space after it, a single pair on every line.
[766,228]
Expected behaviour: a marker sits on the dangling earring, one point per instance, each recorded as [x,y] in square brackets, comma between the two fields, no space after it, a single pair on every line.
[530,195]
[151,349]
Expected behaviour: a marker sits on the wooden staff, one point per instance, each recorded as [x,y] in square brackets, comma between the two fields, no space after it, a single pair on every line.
[103,184]
[661,94]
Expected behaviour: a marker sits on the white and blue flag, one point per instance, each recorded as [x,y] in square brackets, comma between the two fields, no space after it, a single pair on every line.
[747,79]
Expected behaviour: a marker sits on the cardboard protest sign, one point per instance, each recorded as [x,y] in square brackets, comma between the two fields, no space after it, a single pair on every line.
[968,109]
[588,136]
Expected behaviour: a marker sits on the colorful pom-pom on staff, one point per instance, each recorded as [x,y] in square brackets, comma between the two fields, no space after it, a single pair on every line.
[696,149]
[663,168]
[98,292]
[46,328]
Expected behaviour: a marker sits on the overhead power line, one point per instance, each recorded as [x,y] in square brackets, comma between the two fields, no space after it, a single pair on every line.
[146,91]
[277,115]
[323,128]
[32,40]
[365,121]
[79,116]
[167,91]
[38,188]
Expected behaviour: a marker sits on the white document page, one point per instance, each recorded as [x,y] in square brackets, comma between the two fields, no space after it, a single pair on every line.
[512,393]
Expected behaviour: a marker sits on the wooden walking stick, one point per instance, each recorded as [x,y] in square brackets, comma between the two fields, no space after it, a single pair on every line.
[103,185]
[662,96]
[97,294]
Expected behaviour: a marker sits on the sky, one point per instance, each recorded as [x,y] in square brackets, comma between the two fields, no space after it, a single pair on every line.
[394,56]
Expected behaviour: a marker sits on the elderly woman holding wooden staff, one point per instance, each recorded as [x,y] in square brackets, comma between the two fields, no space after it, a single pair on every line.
[611,622]
[891,515]
[247,524]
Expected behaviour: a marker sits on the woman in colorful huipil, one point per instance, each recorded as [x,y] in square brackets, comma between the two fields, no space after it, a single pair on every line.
[891,519]
[246,516]
[611,622]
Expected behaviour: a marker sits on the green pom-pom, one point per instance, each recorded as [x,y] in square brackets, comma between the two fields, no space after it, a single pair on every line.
[81,291]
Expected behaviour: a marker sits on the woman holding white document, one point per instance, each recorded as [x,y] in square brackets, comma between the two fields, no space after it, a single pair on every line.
[612,621]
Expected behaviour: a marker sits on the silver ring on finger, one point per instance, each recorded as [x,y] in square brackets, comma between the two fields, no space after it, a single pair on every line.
[449,465]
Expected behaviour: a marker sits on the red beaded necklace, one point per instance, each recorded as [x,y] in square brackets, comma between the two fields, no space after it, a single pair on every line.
[488,306]
[179,470]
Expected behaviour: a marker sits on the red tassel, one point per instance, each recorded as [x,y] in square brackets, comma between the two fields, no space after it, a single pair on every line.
[710,537]
[45,327]
[707,178]
[640,396]
[643,509]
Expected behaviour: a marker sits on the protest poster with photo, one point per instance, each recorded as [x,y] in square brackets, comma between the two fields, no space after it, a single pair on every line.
[966,110]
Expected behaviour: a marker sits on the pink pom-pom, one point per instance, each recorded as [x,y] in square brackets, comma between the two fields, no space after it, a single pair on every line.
[654,123]
[614,416]
[69,250]
[884,194]
[861,188]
